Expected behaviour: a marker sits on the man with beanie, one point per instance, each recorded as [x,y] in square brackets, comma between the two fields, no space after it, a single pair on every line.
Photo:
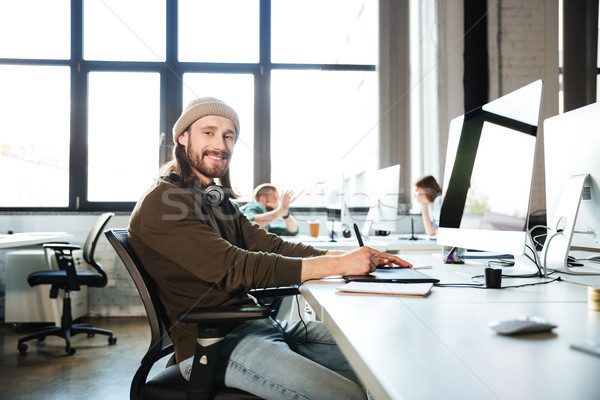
[202,251]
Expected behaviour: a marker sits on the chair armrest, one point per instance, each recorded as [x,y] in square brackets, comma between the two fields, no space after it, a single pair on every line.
[275,292]
[213,324]
[223,315]
[61,246]
[63,253]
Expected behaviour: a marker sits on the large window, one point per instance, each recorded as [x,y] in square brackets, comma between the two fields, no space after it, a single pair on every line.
[122,134]
[92,88]
[324,129]
[34,136]
[573,27]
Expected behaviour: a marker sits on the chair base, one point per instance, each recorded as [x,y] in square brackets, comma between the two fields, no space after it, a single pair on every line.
[65,333]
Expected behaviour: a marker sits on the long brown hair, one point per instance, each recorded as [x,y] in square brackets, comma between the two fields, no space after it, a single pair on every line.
[432,188]
[179,166]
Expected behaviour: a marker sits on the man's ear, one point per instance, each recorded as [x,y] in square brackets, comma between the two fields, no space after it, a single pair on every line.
[183,139]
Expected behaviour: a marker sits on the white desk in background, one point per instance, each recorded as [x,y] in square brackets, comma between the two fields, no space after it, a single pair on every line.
[343,244]
[25,304]
[402,244]
[441,346]
[24,239]
[392,244]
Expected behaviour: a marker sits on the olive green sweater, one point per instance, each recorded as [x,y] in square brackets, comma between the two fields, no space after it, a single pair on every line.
[202,256]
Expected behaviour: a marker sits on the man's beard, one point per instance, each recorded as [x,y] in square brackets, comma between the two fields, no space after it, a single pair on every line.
[196,161]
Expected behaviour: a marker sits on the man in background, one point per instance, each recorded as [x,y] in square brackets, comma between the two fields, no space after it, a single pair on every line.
[268,206]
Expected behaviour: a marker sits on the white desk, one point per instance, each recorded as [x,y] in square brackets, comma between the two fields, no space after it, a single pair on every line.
[391,244]
[343,244]
[441,346]
[401,244]
[25,304]
[25,239]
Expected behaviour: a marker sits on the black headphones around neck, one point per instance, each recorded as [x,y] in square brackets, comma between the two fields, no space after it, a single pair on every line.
[213,195]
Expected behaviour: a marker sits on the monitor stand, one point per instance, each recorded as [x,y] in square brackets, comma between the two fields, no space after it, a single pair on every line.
[558,241]
[524,266]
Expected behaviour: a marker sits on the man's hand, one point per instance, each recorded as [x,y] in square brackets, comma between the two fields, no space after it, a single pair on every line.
[360,261]
[285,201]
[364,256]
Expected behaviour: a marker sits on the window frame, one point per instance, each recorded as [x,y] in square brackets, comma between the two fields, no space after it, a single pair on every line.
[171,89]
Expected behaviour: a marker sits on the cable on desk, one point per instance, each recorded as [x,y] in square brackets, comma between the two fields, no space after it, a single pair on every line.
[535,259]
[558,232]
[500,263]
[482,286]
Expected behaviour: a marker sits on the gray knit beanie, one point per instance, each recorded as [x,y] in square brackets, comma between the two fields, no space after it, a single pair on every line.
[202,107]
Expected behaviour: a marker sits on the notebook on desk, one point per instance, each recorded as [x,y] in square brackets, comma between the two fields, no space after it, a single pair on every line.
[388,289]
[397,275]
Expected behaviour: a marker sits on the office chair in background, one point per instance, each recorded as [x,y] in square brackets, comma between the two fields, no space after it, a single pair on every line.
[69,279]
[213,323]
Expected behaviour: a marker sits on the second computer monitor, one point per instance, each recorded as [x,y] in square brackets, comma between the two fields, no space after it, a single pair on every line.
[571,147]
[488,175]
[379,191]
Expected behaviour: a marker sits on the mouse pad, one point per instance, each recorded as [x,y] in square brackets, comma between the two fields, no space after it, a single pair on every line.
[398,275]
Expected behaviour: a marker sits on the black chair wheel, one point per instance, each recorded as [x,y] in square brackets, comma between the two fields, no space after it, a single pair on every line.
[22,347]
[70,350]
[112,340]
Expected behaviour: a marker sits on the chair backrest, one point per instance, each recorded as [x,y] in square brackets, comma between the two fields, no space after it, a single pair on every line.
[89,247]
[160,344]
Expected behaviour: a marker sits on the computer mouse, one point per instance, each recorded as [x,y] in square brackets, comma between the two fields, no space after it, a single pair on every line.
[521,324]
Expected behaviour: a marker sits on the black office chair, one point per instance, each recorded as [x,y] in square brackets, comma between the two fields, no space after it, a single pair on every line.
[69,279]
[213,322]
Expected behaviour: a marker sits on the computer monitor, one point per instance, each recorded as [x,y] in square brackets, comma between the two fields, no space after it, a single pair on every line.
[488,177]
[380,191]
[571,148]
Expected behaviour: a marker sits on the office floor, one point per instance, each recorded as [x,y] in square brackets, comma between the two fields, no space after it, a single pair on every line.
[95,371]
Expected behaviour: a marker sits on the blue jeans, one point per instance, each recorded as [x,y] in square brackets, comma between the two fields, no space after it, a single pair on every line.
[286,362]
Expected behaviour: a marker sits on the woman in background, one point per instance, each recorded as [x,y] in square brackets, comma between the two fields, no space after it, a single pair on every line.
[429,195]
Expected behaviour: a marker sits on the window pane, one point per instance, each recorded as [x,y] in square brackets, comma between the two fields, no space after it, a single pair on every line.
[123,134]
[424,72]
[133,30]
[318,140]
[34,136]
[35,29]
[218,31]
[324,31]
[237,90]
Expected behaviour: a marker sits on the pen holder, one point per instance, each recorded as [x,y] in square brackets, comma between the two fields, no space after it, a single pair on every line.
[493,278]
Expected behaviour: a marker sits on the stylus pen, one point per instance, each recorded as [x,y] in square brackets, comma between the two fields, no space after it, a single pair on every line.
[358,237]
